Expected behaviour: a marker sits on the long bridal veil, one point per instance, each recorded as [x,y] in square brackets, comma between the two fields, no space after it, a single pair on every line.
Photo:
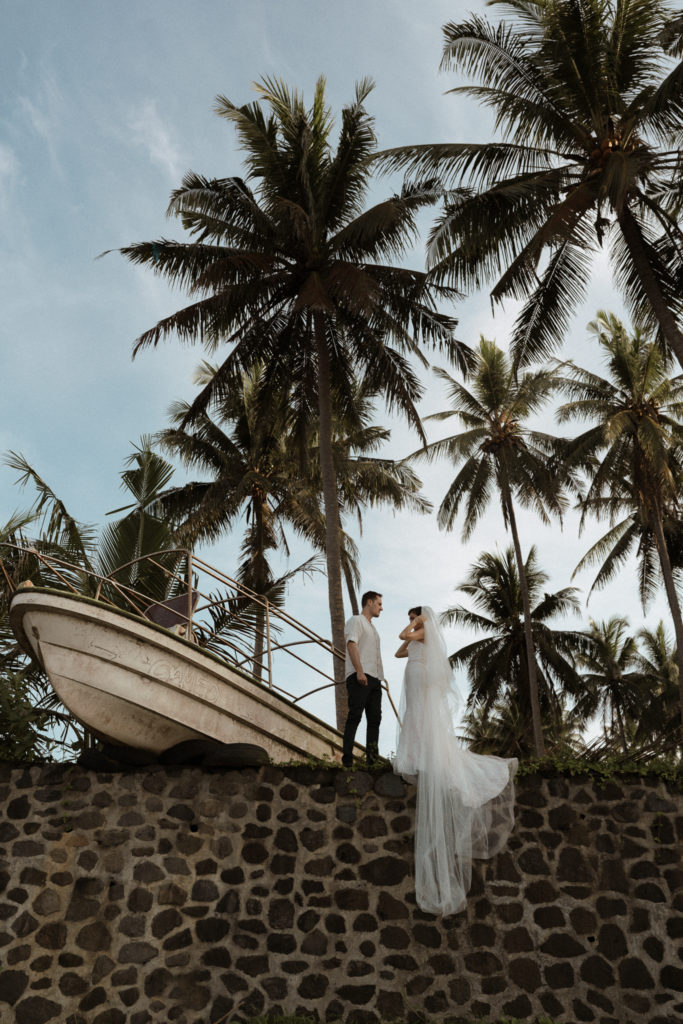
[465,801]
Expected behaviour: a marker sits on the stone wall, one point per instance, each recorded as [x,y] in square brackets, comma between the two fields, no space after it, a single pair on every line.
[193,896]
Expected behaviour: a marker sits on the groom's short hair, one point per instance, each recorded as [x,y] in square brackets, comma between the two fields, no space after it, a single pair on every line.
[369,595]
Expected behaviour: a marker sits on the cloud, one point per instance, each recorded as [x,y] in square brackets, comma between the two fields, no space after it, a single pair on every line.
[150,131]
[46,116]
[9,167]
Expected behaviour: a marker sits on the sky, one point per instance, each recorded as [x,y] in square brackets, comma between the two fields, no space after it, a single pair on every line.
[103,108]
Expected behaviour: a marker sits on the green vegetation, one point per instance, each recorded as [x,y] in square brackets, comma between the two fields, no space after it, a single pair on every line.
[498,450]
[497,666]
[294,1019]
[632,455]
[297,286]
[601,766]
[587,97]
[606,766]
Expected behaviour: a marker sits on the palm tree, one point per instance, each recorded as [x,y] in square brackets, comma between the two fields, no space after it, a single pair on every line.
[497,450]
[633,452]
[252,470]
[60,535]
[22,685]
[56,527]
[252,462]
[657,662]
[289,271]
[122,545]
[498,665]
[501,729]
[613,684]
[589,103]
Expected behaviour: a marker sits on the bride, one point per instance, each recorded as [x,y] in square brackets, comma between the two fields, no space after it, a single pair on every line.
[465,801]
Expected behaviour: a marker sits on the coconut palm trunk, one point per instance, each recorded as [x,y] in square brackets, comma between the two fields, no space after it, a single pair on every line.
[259,627]
[620,726]
[651,286]
[351,589]
[259,576]
[534,703]
[672,596]
[332,524]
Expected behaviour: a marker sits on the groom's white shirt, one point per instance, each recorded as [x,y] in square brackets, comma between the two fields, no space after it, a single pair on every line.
[366,637]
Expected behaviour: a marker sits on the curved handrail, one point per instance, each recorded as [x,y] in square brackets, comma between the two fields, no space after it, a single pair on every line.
[232,651]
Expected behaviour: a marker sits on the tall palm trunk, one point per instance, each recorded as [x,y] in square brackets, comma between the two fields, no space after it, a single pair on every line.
[332,524]
[672,596]
[534,702]
[259,627]
[636,247]
[622,730]
[353,597]
[259,582]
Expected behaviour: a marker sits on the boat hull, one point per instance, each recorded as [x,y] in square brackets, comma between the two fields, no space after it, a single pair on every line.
[131,682]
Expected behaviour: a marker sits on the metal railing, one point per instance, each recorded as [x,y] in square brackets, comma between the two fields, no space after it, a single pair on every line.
[238,625]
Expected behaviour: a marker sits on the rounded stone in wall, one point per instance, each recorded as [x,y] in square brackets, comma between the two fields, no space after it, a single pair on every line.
[612,942]
[533,862]
[551,1004]
[519,1007]
[633,974]
[654,948]
[313,986]
[510,913]
[365,923]
[483,963]
[315,943]
[427,935]
[71,984]
[13,984]
[672,977]
[559,976]
[384,871]
[94,937]
[651,892]
[52,935]
[518,940]
[393,937]
[164,922]
[562,946]
[320,868]
[391,909]
[18,809]
[37,1010]
[102,967]
[597,971]
[541,892]
[24,924]
[525,973]
[549,917]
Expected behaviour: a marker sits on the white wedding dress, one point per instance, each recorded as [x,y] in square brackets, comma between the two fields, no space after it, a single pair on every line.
[465,801]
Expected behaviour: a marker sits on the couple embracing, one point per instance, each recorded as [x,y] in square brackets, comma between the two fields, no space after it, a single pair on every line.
[465,801]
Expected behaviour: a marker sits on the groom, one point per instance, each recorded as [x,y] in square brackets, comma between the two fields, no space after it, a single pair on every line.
[364,675]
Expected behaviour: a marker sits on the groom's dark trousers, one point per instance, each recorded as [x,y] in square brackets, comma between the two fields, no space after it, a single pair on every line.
[366,699]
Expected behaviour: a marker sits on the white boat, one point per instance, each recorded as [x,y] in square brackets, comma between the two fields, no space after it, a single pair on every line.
[132,682]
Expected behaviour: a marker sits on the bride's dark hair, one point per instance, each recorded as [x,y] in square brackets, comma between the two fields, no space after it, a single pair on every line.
[417,610]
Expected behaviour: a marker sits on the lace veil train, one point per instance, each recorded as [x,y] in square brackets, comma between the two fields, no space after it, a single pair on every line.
[465,801]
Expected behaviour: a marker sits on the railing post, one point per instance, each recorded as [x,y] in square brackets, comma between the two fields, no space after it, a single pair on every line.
[189,595]
[270,655]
